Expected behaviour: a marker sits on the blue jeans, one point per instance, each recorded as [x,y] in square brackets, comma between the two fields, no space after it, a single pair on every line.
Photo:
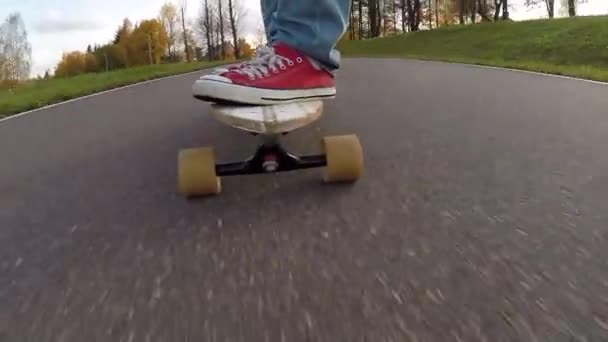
[311,26]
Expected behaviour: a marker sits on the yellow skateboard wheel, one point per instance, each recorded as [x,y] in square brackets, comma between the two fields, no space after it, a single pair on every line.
[196,172]
[344,157]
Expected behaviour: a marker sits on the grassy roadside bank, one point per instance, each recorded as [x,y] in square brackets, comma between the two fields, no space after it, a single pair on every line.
[576,47]
[40,93]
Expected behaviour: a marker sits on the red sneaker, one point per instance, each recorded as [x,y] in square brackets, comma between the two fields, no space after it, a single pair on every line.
[280,76]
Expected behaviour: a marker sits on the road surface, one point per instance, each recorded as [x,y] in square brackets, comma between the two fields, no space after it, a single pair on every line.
[482,216]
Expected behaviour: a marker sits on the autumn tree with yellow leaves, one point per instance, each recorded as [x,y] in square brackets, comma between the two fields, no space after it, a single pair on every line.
[144,43]
[147,43]
[164,39]
[169,18]
[75,63]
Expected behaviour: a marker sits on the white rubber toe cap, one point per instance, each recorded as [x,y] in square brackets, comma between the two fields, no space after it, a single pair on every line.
[216,78]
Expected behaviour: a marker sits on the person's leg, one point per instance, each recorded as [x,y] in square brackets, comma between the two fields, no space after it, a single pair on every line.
[313,27]
[269,14]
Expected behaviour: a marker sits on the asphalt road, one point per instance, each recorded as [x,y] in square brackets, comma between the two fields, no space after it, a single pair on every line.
[482,216]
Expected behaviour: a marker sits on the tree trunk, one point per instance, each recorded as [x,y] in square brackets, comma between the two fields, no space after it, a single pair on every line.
[235,38]
[379,18]
[371,22]
[208,32]
[505,10]
[413,14]
[482,10]
[418,11]
[217,44]
[437,13]
[383,16]
[374,18]
[185,33]
[394,17]
[572,8]
[360,19]
[550,8]
[221,28]
[497,7]
[403,17]
[410,14]
[352,20]
[461,12]
[473,10]
[430,13]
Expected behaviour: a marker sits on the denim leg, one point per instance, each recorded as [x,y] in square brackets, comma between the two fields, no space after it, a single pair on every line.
[269,14]
[312,27]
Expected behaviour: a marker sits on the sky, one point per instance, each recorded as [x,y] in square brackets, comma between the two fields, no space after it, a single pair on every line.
[57,26]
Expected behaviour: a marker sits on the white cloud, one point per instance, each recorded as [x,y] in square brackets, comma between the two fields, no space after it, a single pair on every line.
[54,21]
[66,25]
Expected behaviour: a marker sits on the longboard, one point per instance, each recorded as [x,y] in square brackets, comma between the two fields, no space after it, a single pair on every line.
[199,174]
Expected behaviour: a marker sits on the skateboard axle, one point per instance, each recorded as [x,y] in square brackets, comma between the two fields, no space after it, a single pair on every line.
[268,158]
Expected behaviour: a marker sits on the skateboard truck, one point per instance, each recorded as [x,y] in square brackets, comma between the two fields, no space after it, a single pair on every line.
[270,157]
[199,174]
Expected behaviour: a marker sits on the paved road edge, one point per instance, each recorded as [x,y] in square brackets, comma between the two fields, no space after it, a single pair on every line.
[399,58]
[13,116]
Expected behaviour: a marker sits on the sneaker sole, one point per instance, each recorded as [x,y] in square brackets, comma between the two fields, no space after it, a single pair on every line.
[217,91]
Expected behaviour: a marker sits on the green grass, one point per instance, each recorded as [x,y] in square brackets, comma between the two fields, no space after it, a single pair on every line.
[35,94]
[575,47]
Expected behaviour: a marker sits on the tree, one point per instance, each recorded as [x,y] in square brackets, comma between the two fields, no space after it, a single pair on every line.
[472,10]
[147,43]
[484,10]
[389,17]
[111,56]
[185,32]
[221,30]
[501,5]
[234,15]
[549,4]
[198,52]
[413,14]
[354,25]
[169,19]
[403,16]
[374,18]
[192,48]
[15,50]
[572,8]
[246,50]
[259,38]
[205,28]
[90,63]
[123,32]
[429,12]
[360,16]
[71,64]
[568,7]
[437,13]
[461,6]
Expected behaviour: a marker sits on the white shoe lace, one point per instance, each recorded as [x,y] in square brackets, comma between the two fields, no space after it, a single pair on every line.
[266,62]
[259,53]
[262,51]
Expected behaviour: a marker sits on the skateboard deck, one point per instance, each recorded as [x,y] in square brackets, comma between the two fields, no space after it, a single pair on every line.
[268,119]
